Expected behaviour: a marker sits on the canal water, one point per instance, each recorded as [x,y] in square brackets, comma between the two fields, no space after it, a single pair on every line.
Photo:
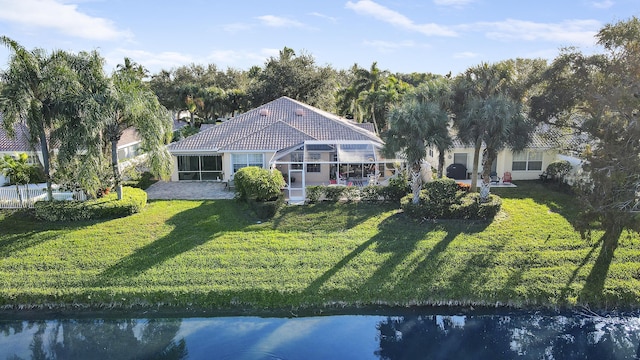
[406,336]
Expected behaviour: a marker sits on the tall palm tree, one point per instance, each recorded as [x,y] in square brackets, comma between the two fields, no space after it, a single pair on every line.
[34,92]
[488,114]
[437,91]
[413,126]
[131,103]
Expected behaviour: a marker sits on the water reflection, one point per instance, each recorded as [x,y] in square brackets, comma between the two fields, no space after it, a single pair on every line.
[93,339]
[410,336]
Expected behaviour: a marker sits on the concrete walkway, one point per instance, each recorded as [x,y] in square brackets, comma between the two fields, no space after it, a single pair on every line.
[188,190]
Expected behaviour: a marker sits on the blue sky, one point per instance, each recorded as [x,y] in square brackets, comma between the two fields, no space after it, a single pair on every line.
[406,36]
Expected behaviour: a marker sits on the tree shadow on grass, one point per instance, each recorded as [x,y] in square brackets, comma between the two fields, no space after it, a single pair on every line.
[399,235]
[191,228]
[326,216]
[20,230]
[592,292]
[558,202]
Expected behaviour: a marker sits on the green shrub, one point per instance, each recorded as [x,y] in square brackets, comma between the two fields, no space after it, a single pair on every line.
[107,207]
[257,184]
[397,188]
[315,193]
[266,209]
[467,206]
[488,210]
[352,193]
[334,193]
[371,193]
[559,169]
[442,191]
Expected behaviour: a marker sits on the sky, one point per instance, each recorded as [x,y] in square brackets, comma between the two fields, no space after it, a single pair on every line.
[402,36]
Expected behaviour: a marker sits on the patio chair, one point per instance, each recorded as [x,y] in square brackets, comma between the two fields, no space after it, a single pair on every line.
[494,178]
[506,178]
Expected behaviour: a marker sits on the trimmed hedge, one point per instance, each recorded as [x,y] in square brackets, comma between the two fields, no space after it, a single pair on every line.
[467,206]
[107,207]
[255,183]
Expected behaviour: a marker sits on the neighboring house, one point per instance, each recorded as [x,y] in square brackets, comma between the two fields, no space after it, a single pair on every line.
[528,164]
[128,146]
[308,145]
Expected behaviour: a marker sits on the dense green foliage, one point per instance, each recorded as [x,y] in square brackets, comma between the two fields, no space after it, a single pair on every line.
[258,184]
[443,199]
[598,95]
[106,207]
[213,254]
[559,169]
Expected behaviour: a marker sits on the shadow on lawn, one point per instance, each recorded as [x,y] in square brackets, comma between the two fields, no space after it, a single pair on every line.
[557,201]
[399,235]
[192,228]
[20,230]
[327,216]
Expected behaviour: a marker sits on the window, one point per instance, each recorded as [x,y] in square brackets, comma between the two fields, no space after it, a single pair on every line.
[314,168]
[460,158]
[527,161]
[243,160]
[431,152]
[200,167]
[297,157]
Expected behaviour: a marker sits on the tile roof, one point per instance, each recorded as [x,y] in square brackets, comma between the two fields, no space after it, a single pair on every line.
[17,143]
[281,123]
[20,142]
[542,138]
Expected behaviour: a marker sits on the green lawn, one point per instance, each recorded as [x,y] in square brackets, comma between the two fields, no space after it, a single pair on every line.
[213,255]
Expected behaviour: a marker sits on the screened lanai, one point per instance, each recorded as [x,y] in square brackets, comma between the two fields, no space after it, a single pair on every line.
[346,163]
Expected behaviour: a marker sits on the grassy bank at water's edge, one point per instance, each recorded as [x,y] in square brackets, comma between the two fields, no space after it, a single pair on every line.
[212,254]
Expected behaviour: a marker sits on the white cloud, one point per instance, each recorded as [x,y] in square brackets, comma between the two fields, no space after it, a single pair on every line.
[377,11]
[277,21]
[568,32]
[66,18]
[323,16]
[603,4]
[465,55]
[456,3]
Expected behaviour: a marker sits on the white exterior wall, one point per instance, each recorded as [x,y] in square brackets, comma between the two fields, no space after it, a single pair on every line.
[504,162]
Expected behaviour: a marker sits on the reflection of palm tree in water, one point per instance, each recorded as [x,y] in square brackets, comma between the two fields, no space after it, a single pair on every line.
[109,339]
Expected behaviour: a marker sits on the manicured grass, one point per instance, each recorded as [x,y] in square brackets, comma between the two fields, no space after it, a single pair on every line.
[213,255]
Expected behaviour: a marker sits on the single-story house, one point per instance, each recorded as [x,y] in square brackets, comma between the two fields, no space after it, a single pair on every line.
[308,145]
[128,146]
[527,164]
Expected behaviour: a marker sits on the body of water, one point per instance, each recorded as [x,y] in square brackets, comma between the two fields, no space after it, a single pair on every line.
[407,336]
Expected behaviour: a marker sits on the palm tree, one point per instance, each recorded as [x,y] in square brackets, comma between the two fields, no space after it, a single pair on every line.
[437,91]
[17,169]
[414,125]
[488,114]
[33,92]
[131,103]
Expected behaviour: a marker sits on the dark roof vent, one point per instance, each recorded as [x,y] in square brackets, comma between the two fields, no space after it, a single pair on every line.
[299,112]
[264,112]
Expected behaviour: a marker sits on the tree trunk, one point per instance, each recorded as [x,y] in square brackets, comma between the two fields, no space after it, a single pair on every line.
[440,163]
[474,174]
[416,182]
[373,117]
[192,122]
[115,168]
[44,147]
[487,163]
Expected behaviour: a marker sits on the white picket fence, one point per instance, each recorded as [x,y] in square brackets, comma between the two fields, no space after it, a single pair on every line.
[12,198]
